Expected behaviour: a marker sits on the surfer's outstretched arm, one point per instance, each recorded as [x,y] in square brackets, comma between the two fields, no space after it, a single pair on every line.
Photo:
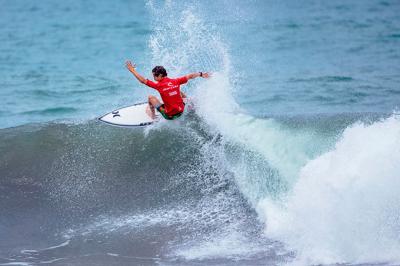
[132,69]
[198,74]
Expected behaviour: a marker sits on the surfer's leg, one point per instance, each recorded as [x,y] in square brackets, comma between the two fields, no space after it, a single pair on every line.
[153,102]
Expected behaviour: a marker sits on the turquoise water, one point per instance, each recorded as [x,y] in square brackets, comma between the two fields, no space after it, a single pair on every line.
[289,156]
[65,60]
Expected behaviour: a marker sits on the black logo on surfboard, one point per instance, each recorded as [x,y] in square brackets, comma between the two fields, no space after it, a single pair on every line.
[115,113]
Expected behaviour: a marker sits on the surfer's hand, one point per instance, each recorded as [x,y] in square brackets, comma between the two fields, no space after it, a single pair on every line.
[206,75]
[130,66]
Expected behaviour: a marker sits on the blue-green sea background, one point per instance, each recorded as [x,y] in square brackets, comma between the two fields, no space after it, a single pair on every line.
[66,59]
[290,154]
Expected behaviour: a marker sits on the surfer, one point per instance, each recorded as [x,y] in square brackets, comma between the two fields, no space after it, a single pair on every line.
[168,88]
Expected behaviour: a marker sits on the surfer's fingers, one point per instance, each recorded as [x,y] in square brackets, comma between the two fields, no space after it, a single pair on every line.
[130,64]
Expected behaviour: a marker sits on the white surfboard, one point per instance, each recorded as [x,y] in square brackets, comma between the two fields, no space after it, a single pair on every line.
[130,116]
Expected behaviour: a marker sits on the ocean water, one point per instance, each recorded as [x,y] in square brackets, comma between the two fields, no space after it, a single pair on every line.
[291,155]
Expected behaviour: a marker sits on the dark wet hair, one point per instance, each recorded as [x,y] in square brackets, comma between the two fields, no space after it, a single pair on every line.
[157,70]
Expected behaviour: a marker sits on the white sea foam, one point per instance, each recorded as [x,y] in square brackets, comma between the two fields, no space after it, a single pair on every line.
[228,243]
[108,224]
[345,206]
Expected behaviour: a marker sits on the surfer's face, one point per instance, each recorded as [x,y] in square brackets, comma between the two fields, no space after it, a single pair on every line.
[158,78]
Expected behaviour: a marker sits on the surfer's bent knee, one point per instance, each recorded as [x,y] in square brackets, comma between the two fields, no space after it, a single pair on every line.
[152,99]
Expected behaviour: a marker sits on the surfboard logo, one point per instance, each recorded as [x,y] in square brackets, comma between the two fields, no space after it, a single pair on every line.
[115,113]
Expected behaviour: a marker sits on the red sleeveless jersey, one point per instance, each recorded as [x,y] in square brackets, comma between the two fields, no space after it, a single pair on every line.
[170,92]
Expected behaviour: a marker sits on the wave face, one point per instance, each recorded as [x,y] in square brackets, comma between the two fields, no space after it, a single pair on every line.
[168,193]
[223,185]
[190,193]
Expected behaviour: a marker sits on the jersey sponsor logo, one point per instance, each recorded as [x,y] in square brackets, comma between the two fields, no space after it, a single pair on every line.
[173,93]
[172,86]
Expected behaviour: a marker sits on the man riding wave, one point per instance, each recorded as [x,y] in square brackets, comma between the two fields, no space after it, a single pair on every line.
[169,90]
